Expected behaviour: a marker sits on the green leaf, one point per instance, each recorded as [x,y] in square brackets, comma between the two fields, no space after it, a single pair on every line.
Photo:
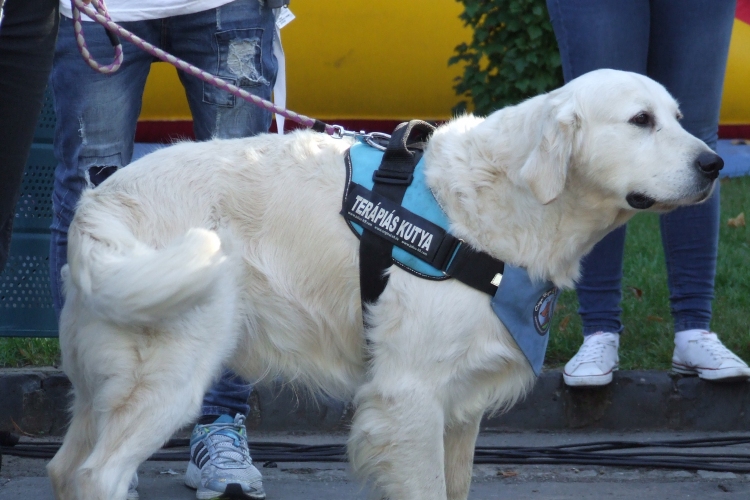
[513,53]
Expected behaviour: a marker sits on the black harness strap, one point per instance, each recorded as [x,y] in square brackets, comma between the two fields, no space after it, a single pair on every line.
[455,258]
[477,269]
[391,179]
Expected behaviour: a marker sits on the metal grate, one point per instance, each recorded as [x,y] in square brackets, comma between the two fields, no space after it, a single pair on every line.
[25,297]
[25,283]
[34,208]
[45,127]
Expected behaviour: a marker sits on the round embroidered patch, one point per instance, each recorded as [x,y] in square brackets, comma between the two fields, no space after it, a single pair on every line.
[543,310]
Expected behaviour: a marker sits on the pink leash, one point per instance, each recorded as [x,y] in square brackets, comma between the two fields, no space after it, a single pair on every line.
[101,16]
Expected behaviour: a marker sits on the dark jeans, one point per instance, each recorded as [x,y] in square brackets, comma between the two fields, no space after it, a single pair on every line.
[683,45]
[27,42]
[97,113]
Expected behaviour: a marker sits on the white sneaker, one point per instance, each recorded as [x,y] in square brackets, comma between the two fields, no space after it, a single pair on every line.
[702,353]
[594,362]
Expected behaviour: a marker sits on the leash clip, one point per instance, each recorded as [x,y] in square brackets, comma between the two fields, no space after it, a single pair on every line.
[377,140]
[339,132]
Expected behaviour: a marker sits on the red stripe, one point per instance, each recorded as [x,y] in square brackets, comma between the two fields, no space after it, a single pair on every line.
[734,131]
[743,11]
[164,132]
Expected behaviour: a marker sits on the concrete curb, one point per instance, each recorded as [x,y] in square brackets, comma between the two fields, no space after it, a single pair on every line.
[34,401]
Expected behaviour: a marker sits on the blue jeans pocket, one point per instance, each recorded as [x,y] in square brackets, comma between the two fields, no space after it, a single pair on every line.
[240,57]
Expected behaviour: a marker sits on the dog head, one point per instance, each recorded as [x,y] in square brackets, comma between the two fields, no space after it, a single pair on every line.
[619,134]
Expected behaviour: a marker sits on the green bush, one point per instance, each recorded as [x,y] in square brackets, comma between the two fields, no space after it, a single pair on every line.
[513,54]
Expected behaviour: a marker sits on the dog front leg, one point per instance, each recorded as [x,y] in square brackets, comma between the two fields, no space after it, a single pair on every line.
[397,441]
[460,440]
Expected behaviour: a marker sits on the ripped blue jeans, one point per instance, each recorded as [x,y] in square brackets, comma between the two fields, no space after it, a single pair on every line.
[97,113]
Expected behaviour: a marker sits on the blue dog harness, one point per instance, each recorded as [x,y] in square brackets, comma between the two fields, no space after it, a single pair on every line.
[413,234]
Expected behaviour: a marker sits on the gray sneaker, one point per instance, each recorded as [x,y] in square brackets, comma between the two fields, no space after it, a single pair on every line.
[220,464]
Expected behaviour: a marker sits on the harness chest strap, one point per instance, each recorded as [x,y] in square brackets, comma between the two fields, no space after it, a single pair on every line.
[425,240]
[391,233]
[390,223]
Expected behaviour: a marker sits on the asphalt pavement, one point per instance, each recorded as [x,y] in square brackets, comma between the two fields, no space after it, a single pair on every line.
[26,478]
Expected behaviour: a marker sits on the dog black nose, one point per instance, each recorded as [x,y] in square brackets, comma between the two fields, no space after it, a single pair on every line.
[709,164]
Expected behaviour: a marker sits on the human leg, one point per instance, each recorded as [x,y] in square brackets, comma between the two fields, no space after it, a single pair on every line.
[233,42]
[27,41]
[594,34]
[228,396]
[96,116]
[240,36]
[241,52]
[95,127]
[688,56]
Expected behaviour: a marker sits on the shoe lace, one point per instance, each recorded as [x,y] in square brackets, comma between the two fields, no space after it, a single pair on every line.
[227,445]
[713,346]
[591,350]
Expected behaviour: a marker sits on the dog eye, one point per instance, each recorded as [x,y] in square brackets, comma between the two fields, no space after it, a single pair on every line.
[642,120]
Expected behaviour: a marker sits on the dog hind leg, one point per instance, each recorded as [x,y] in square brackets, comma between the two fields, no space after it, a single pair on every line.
[146,392]
[130,429]
[76,447]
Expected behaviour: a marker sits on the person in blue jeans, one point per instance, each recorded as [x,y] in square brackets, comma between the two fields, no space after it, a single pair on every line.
[96,121]
[684,46]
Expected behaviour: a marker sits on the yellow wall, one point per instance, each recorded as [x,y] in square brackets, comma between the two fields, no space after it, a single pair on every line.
[735,106]
[353,59]
[389,60]
[386,60]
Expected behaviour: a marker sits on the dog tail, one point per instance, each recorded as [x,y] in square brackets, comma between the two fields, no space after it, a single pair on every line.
[128,282]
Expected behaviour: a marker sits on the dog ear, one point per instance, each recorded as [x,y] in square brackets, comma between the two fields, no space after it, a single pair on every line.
[546,168]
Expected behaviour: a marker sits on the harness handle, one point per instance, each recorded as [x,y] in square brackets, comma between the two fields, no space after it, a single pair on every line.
[408,133]
[402,154]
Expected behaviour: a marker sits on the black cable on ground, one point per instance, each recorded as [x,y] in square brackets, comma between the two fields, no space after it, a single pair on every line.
[602,453]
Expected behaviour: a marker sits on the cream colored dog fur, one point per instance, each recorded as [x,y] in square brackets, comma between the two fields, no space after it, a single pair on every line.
[233,252]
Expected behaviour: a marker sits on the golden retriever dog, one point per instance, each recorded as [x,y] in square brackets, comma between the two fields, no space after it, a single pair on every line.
[233,252]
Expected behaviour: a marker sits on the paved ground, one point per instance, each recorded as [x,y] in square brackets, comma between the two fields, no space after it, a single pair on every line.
[25,479]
